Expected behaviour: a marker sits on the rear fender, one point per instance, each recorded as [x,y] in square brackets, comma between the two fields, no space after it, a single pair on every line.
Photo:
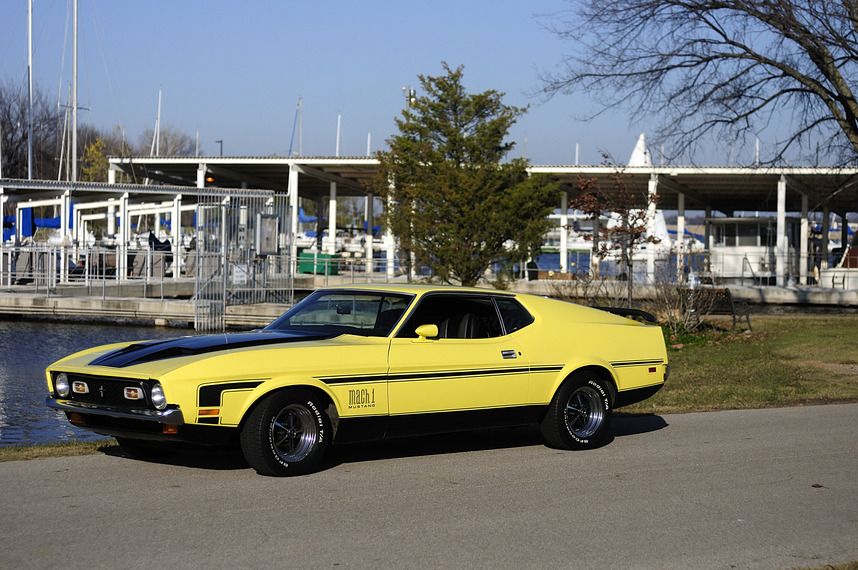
[600,367]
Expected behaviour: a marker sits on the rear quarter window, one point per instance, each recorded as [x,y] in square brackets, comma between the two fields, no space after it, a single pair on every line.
[514,316]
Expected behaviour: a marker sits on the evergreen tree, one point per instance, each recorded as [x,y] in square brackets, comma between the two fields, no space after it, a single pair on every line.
[451,202]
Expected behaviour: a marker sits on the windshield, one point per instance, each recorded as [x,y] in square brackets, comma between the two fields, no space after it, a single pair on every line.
[364,313]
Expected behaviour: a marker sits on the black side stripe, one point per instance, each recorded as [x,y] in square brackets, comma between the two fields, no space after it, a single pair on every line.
[457,374]
[210,394]
[547,368]
[380,377]
[623,363]
[436,375]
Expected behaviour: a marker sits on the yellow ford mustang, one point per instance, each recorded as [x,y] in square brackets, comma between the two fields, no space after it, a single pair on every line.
[360,363]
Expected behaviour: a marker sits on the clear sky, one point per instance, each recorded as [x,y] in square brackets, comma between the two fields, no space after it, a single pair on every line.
[234,70]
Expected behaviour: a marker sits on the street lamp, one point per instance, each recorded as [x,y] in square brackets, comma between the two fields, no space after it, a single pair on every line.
[220,142]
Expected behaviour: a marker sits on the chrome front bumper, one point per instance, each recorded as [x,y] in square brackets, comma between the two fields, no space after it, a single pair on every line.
[169,417]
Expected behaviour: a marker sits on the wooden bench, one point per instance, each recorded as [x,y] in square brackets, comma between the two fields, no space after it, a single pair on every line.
[708,301]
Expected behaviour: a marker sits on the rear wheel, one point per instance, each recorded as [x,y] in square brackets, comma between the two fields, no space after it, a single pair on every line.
[287,434]
[579,416]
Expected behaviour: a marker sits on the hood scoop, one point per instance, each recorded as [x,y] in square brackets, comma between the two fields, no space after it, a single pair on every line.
[142,352]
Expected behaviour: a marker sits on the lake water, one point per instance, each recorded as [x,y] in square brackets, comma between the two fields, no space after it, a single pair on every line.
[26,349]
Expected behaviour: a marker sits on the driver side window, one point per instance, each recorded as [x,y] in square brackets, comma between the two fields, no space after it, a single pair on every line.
[456,317]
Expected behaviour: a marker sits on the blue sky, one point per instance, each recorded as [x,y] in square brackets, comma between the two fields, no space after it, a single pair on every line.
[235,70]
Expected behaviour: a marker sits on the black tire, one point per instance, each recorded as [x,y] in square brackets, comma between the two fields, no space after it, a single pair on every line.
[579,415]
[144,449]
[286,434]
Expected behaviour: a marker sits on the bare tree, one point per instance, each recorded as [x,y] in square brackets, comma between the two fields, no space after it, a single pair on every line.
[727,68]
[629,206]
[172,142]
[13,129]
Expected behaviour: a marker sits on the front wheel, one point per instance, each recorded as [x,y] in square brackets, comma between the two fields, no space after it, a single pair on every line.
[287,434]
[579,415]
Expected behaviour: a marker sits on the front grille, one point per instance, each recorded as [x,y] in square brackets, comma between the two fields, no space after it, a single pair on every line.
[107,391]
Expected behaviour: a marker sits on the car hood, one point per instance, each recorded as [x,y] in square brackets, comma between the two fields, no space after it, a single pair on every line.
[143,352]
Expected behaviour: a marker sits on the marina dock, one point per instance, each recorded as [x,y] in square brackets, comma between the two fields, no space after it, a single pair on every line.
[170,303]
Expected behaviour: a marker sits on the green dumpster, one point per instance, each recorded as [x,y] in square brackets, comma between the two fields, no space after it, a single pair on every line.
[318,263]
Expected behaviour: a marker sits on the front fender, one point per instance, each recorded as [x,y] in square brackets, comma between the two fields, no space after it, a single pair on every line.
[236,402]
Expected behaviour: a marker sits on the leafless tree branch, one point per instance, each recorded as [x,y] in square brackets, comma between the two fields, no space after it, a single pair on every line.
[719,67]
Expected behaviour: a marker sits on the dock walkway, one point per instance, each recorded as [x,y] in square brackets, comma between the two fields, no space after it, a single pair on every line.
[170,302]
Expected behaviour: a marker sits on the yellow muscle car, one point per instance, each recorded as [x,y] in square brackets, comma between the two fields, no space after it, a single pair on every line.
[360,363]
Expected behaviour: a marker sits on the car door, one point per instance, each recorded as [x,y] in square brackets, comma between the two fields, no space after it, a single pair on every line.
[470,371]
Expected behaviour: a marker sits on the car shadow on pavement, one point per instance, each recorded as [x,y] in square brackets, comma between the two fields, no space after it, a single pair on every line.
[440,444]
[478,440]
[633,424]
[231,458]
[195,457]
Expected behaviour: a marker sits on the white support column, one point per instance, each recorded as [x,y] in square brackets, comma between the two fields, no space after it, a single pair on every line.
[802,242]
[65,214]
[652,191]
[65,218]
[124,237]
[594,257]
[111,220]
[680,235]
[564,232]
[293,205]
[780,251]
[707,230]
[201,175]
[332,219]
[5,259]
[176,231]
[390,240]
[368,245]
[19,218]
[111,176]
[826,228]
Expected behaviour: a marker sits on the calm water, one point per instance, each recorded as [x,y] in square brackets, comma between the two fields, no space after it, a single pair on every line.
[26,349]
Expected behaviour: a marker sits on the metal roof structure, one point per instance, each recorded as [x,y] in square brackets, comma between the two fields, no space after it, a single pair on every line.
[714,189]
[725,189]
[24,190]
[351,174]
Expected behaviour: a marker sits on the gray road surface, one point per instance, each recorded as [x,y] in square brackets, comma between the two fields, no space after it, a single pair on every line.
[742,489]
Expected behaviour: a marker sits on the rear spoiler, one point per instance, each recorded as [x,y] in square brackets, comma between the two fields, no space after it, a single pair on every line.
[648,317]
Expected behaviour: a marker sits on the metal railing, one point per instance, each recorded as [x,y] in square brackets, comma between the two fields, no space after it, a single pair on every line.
[214,281]
[95,268]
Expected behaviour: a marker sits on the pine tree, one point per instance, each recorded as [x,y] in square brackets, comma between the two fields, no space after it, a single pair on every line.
[451,201]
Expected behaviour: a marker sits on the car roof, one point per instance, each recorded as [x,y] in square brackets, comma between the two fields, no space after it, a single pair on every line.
[414,288]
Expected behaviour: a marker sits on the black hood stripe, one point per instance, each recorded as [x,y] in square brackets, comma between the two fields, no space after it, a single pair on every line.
[194,345]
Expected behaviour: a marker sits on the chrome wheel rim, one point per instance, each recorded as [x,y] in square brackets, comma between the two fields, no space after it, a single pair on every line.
[293,433]
[584,412]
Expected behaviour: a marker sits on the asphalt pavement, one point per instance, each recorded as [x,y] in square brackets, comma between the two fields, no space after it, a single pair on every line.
[773,488]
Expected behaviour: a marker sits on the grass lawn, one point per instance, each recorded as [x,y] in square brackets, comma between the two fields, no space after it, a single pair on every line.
[786,361]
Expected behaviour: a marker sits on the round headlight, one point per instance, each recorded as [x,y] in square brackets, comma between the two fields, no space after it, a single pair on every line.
[61,385]
[158,398]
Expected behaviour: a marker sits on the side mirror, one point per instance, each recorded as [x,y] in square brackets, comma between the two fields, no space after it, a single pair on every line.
[427,331]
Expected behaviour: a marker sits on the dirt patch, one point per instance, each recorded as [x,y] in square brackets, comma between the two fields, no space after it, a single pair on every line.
[851,369]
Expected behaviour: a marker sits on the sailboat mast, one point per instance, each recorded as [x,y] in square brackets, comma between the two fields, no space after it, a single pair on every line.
[30,87]
[74,99]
